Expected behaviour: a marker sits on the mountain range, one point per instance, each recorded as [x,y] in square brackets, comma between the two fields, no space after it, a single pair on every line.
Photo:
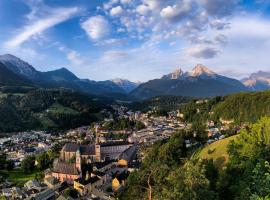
[16,71]
[199,82]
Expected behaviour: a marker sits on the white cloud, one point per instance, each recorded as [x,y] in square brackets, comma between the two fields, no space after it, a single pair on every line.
[116,11]
[142,9]
[202,52]
[96,27]
[125,1]
[110,4]
[42,24]
[169,11]
[73,56]
[176,11]
[154,4]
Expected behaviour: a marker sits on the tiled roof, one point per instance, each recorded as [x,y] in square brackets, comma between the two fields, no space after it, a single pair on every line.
[118,143]
[84,149]
[44,194]
[70,147]
[87,149]
[65,168]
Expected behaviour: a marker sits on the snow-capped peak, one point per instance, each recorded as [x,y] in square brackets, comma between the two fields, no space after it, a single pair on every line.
[201,70]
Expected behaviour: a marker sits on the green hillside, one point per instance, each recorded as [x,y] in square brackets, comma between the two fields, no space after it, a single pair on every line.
[47,109]
[217,151]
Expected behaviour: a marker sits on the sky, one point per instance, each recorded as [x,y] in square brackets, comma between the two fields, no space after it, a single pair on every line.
[137,39]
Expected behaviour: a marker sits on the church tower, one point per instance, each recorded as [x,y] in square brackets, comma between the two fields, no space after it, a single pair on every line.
[98,152]
[78,160]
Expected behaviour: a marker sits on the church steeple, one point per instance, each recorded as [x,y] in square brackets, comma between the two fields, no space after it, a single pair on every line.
[78,160]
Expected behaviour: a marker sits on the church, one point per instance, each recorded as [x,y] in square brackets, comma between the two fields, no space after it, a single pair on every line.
[69,165]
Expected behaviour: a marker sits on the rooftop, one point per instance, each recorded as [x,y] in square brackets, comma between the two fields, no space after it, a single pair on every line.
[88,181]
[65,168]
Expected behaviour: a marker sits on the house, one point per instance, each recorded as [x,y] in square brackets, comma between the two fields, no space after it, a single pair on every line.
[7,192]
[119,181]
[52,183]
[47,194]
[12,193]
[33,184]
[85,185]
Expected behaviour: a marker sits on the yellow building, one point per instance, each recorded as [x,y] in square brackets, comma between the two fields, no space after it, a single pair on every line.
[122,162]
[119,181]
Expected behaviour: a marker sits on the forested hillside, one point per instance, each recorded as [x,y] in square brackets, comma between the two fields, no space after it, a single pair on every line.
[24,108]
[241,107]
[168,173]
[244,107]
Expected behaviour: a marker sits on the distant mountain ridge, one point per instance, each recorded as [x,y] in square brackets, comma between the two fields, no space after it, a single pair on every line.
[125,84]
[61,74]
[18,71]
[258,81]
[200,82]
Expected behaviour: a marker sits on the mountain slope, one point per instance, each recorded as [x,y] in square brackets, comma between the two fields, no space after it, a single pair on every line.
[8,77]
[61,75]
[20,67]
[258,81]
[48,109]
[200,82]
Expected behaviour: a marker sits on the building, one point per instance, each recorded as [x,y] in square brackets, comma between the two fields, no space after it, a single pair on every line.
[52,183]
[95,152]
[69,150]
[85,185]
[68,167]
[119,181]
[66,171]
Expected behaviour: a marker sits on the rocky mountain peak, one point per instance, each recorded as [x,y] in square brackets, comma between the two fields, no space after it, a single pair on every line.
[200,69]
[176,74]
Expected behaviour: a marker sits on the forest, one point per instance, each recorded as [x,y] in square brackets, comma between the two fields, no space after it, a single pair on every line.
[168,172]
[47,109]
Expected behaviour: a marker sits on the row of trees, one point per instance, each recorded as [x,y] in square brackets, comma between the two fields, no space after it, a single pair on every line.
[41,161]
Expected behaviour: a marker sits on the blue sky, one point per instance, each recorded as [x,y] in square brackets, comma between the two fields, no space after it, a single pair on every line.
[137,39]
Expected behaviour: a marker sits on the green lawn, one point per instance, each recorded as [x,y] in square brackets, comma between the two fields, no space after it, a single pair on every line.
[217,151]
[17,176]
[58,108]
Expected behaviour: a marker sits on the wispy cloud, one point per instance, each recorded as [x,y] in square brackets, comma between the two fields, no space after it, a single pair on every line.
[40,25]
